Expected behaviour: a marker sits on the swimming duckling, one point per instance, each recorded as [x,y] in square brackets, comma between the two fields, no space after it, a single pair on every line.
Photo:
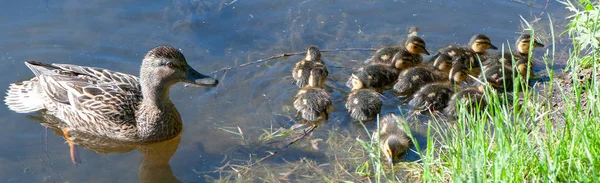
[477,47]
[471,97]
[443,62]
[433,97]
[379,76]
[310,66]
[523,45]
[500,77]
[313,103]
[391,138]
[412,79]
[521,55]
[384,55]
[363,104]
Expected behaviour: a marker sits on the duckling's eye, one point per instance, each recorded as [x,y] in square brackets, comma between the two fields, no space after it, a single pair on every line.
[169,64]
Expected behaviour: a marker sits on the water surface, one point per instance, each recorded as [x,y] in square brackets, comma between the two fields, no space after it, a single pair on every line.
[212,35]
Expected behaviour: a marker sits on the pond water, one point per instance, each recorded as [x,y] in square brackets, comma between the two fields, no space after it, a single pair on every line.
[212,35]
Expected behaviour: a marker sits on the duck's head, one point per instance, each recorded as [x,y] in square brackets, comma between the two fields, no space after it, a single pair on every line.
[479,43]
[458,73]
[443,62]
[416,45]
[165,65]
[392,148]
[403,60]
[355,82]
[524,43]
[313,53]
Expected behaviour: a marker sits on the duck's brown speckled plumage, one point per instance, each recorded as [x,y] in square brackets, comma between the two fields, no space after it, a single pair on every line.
[105,103]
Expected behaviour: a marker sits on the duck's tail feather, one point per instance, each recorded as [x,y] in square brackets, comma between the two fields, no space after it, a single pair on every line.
[25,97]
[38,68]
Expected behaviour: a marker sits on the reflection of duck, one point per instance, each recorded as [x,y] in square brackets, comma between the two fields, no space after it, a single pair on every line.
[363,104]
[392,140]
[110,104]
[310,66]
[156,156]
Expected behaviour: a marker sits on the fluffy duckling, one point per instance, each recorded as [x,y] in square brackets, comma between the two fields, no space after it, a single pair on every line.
[391,138]
[500,77]
[521,55]
[379,76]
[478,44]
[312,103]
[413,45]
[363,104]
[433,96]
[523,45]
[383,56]
[310,66]
[471,97]
[412,79]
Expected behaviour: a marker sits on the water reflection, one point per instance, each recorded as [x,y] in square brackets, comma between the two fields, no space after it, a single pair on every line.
[155,165]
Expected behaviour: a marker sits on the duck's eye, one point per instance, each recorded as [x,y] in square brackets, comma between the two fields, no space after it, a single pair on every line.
[169,64]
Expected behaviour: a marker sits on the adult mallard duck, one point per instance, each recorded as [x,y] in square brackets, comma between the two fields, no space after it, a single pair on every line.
[393,141]
[310,66]
[110,104]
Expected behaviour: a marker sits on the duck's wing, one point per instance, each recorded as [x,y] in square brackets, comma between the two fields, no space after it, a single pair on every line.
[101,75]
[91,91]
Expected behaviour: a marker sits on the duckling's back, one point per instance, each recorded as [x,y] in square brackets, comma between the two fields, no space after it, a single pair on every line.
[312,103]
[363,104]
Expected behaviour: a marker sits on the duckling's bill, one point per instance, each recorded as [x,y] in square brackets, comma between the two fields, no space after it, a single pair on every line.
[194,77]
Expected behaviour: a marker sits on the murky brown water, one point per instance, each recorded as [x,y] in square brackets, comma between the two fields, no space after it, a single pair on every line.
[212,35]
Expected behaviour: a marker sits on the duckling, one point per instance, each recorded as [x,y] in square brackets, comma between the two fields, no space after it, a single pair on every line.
[443,62]
[477,47]
[433,96]
[363,104]
[311,65]
[471,97]
[413,45]
[391,138]
[381,77]
[313,103]
[521,55]
[383,56]
[523,45]
[412,79]
[499,76]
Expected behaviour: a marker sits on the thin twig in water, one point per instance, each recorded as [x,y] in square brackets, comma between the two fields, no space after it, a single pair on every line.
[287,55]
[306,132]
